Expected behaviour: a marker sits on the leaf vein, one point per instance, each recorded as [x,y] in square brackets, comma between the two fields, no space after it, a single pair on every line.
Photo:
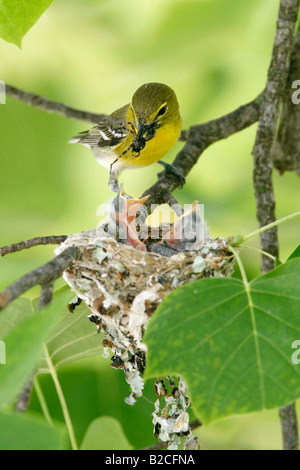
[175,326]
[71,343]
[275,294]
[264,338]
[276,318]
[78,355]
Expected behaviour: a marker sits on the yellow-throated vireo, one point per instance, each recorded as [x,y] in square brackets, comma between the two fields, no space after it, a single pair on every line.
[137,134]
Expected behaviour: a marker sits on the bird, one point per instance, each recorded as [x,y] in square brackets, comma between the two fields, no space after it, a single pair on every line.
[188,233]
[123,214]
[138,134]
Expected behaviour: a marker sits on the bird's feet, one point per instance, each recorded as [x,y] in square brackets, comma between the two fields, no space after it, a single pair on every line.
[171,169]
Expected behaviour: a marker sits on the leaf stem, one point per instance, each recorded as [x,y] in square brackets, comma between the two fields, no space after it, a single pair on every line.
[253,321]
[241,266]
[42,401]
[62,400]
[272,224]
[259,251]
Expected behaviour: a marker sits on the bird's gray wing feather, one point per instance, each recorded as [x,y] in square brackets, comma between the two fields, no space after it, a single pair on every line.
[107,133]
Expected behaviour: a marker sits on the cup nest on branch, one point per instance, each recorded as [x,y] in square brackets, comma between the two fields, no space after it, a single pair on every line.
[126,269]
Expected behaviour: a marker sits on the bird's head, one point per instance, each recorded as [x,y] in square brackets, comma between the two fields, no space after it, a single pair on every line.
[153,105]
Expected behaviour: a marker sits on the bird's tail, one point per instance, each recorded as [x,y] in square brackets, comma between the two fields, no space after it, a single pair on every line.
[78,138]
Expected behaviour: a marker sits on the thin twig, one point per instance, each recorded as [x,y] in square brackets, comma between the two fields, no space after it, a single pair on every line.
[42,275]
[24,245]
[50,106]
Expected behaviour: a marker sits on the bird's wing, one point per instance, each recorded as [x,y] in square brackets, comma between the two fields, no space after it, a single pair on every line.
[107,133]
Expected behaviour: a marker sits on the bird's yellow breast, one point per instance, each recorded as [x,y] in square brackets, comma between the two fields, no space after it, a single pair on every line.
[164,139]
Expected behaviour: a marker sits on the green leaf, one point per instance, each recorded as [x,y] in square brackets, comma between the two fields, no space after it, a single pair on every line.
[67,337]
[24,344]
[14,314]
[231,342]
[73,336]
[105,433]
[18,16]
[28,432]
[295,254]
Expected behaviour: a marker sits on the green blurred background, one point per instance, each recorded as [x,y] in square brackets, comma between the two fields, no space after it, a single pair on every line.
[93,55]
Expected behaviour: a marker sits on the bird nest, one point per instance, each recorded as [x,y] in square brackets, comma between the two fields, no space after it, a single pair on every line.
[122,285]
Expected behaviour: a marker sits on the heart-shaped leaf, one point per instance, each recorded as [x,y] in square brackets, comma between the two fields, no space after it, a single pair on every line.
[232,342]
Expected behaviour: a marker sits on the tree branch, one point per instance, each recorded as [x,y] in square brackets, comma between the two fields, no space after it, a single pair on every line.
[46,294]
[269,114]
[23,398]
[43,275]
[289,427]
[24,245]
[262,171]
[264,108]
[50,106]
[198,138]
[286,146]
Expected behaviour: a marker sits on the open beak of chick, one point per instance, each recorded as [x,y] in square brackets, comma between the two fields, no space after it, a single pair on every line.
[125,216]
[184,228]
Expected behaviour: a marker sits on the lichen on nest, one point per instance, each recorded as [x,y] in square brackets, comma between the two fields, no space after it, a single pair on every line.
[122,285]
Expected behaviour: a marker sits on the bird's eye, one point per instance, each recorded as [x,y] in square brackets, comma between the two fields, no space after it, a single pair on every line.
[162,110]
